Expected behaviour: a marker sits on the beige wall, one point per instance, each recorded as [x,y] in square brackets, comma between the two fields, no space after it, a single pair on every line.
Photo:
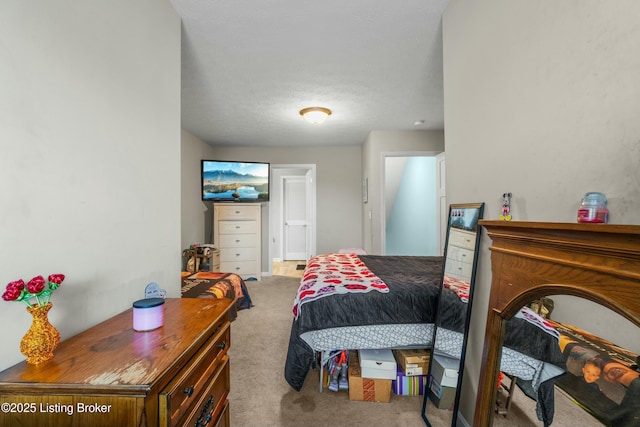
[338,192]
[542,99]
[89,170]
[194,212]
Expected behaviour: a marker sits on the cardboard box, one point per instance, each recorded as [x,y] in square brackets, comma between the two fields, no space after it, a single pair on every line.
[378,364]
[405,385]
[445,370]
[367,389]
[413,361]
[442,397]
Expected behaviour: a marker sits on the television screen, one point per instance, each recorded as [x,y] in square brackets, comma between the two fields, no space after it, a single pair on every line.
[228,181]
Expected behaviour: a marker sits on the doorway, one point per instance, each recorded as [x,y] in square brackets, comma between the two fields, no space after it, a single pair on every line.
[292,213]
[414,203]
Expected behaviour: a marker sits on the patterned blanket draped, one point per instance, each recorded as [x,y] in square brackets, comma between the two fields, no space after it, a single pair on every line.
[214,284]
[332,274]
[535,319]
[460,287]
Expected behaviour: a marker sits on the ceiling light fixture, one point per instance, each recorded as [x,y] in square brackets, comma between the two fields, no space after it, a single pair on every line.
[315,115]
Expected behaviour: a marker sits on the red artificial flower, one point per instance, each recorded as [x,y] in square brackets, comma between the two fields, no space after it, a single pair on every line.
[55,280]
[13,291]
[36,288]
[36,285]
[17,283]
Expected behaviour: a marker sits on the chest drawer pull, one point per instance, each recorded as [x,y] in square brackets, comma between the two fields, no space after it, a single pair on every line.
[207,413]
[189,390]
[222,345]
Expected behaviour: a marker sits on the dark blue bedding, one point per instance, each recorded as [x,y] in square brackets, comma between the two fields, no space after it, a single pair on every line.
[414,284]
[413,292]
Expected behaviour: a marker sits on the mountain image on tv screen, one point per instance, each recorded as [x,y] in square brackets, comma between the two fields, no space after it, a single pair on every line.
[235,181]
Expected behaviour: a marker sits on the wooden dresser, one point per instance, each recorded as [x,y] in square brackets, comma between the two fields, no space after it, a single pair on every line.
[237,233]
[111,375]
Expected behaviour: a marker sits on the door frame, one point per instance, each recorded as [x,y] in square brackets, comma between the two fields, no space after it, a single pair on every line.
[310,172]
[383,213]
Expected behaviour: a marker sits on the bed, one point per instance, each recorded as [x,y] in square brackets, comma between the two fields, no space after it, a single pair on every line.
[400,315]
[213,284]
[403,316]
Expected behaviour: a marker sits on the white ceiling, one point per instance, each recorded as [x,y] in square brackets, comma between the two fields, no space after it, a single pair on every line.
[248,67]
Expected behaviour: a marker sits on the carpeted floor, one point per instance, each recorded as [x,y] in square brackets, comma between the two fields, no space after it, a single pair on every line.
[260,396]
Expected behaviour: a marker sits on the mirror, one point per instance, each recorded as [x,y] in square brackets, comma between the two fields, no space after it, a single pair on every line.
[444,377]
[530,260]
[600,369]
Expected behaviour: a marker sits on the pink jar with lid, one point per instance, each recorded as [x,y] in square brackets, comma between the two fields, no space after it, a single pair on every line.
[593,208]
[148,314]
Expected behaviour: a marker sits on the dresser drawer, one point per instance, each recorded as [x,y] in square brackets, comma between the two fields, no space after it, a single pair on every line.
[223,420]
[239,254]
[188,386]
[243,268]
[238,227]
[213,402]
[459,270]
[460,254]
[462,238]
[237,212]
[236,241]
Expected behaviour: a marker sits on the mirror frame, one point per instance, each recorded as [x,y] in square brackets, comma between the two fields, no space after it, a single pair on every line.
[598,263]
[452,210]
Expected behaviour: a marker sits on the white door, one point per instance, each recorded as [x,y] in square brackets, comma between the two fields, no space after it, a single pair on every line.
[295,218]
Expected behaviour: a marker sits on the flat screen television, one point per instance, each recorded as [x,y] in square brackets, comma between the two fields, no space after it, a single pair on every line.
[231,181]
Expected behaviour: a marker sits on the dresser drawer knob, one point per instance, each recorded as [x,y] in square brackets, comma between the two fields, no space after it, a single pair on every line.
[207,413]
[189,390]
[222,345]
[209,405]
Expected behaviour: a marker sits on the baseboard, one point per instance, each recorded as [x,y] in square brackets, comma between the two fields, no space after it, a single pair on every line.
[461,421]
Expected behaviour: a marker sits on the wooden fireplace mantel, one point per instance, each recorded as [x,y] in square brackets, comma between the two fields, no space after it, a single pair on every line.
[529,260]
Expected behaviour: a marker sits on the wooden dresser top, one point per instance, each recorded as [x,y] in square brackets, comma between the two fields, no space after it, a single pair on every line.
[112,356]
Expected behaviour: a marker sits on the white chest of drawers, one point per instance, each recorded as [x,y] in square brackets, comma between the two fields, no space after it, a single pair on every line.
[460,254]
[236,233]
